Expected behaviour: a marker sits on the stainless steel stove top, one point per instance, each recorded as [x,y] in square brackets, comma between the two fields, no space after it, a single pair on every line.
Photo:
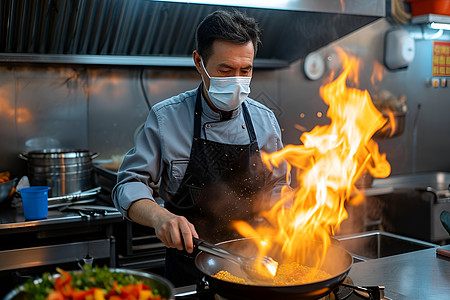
[349,292]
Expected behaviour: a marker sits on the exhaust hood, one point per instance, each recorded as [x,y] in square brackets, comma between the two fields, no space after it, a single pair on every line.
[161,33]
[357,7]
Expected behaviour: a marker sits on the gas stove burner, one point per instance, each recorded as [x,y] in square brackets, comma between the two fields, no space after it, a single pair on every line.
[345,291]
[342,292]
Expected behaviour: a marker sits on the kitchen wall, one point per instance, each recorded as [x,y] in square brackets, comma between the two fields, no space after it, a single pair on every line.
[99,108]
[425,141]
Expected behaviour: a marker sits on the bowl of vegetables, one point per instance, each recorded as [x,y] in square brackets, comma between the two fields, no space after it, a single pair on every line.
[95,283]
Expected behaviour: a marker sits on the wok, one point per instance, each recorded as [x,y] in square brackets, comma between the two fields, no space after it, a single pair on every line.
[337,263]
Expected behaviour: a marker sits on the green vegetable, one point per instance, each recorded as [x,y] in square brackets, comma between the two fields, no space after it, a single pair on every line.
[99,277]
[41,289]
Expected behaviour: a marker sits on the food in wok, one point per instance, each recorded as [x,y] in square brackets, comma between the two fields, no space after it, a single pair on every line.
[287,274]
[225,275]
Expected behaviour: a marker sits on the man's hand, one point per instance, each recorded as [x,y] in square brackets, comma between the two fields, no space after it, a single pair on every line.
[173,230]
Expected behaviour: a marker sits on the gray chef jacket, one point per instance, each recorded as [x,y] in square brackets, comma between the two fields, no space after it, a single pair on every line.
[162,149]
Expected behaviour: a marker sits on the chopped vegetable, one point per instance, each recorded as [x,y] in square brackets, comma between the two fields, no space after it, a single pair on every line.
[4,176]
[93,283]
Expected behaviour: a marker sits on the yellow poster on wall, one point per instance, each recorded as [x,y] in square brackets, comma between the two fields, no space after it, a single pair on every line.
[441,59]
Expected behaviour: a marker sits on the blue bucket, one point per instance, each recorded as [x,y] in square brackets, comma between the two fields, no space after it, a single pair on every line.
[35,202]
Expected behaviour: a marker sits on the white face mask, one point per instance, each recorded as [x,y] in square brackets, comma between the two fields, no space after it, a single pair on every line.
[227,93]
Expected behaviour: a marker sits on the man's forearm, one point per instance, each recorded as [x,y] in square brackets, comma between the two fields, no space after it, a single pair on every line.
[171,229]
[146,212]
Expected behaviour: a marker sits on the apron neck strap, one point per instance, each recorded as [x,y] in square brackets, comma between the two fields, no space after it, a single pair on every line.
[198,113]
[249,124]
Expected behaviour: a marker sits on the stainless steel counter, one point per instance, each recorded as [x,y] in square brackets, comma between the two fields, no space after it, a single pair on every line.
[415,275]
[13,220]
[62,237]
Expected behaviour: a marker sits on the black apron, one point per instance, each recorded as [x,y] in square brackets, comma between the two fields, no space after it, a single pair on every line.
[221,184]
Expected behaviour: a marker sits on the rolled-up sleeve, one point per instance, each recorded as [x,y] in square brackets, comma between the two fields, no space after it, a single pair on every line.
[140,166]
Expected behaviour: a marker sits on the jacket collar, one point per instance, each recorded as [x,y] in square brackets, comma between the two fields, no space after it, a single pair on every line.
[219,116]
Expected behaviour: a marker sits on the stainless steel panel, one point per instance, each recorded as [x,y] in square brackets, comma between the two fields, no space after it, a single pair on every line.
[41,107]
[118,106]
[8,115]
[51,109]
[54,254]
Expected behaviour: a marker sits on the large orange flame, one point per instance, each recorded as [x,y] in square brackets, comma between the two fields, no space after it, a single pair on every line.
[327,165]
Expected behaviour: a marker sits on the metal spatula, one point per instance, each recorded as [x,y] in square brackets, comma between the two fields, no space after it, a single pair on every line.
[249,265]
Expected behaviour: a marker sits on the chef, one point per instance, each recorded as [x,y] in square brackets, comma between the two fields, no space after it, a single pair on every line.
[204,146]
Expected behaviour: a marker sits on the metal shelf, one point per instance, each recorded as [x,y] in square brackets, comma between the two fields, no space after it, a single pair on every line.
[429,18]
[122,60]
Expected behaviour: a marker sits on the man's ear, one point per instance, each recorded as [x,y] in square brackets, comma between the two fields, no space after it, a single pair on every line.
[197,60]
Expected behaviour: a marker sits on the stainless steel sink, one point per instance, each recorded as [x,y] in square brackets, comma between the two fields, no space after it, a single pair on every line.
[377,244]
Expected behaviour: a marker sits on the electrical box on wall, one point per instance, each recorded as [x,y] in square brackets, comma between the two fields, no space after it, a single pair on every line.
[399,49]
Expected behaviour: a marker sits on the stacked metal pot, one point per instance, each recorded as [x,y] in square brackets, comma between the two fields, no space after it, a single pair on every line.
[65,171]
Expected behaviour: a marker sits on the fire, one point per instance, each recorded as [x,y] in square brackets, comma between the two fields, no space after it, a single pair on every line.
[391,125]
[327,165]
[342,5]
[377,73]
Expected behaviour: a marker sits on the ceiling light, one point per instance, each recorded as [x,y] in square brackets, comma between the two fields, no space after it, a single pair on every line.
[436,25]
[439,22]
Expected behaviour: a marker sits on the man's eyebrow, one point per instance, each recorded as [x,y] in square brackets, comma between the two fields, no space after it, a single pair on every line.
[224,65]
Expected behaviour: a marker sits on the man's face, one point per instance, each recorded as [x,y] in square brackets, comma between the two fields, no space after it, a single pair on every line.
[227,60]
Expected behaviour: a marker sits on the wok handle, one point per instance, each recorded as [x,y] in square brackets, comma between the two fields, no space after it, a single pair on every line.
[369,292]
[443,252]
[216,250]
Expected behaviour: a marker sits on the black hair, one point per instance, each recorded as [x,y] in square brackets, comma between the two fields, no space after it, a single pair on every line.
[232,26]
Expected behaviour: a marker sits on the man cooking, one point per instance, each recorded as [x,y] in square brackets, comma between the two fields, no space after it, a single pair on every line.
[205,145]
